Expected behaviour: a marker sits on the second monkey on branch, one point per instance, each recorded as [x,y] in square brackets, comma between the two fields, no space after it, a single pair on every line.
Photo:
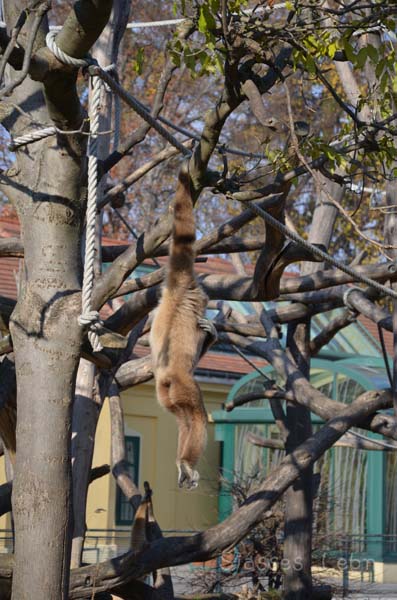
[177,340]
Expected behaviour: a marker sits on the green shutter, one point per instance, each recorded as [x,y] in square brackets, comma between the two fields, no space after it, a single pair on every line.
[124,511]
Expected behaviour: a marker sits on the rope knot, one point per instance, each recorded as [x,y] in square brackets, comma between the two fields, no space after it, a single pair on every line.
[92,319]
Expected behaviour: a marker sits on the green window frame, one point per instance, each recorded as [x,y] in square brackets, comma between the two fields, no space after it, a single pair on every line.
[124,510]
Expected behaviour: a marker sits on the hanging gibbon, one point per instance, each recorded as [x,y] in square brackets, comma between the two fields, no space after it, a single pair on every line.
[177,339]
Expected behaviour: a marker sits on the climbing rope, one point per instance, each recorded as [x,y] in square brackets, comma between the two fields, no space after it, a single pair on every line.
[88,316]
[319,253]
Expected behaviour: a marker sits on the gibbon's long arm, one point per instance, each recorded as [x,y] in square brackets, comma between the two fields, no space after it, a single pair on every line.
[176,338]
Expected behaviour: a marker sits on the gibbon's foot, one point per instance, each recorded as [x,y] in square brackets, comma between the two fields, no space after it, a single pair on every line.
[187,477]
[208,326]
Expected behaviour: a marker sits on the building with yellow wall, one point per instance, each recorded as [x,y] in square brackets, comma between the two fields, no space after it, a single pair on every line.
[155,432]
[151,441]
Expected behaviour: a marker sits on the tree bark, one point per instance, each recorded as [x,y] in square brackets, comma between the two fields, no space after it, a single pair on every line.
[297,577]
[297,580]
[391,238]
[46,189]
[85,418]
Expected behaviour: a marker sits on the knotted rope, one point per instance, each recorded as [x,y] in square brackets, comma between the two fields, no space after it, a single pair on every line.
[88,316]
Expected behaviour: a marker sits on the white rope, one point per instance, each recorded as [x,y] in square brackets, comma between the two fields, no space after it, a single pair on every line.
[33,136]
[88,316]
[144,24]
[66,59]
[169,22]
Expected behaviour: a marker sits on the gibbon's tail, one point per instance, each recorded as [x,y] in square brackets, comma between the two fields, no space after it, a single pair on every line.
[181,258]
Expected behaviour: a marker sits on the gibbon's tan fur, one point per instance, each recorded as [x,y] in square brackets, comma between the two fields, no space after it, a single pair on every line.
[176,338]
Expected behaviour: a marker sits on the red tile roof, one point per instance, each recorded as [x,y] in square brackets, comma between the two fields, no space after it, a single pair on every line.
[9,269]
[372,328]
[216,361]
[212,361]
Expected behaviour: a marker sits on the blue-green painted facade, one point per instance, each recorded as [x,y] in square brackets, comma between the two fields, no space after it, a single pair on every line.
[366,501]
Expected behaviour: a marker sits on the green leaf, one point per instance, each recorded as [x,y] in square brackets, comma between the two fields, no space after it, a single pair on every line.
[331,50]
[215,5]
[189,59]
[384,82]
[373,53]
[361,58]
[138,63]
[380,68]
[310,64]
[206,20]
[349,51]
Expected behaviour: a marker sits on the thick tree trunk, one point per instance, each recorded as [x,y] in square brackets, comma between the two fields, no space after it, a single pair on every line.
[299,497]
[45,187]
[297,580]
[391,238]
[46,339]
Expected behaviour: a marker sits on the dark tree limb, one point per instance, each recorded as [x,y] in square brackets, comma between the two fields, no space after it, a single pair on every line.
[270,264]
[299,497]
[235,287]
[108,284]
[276,395]
[358,301]
[133,310]
[134,372]
[119,463]
[40,11]
[304,393]
[330,330]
